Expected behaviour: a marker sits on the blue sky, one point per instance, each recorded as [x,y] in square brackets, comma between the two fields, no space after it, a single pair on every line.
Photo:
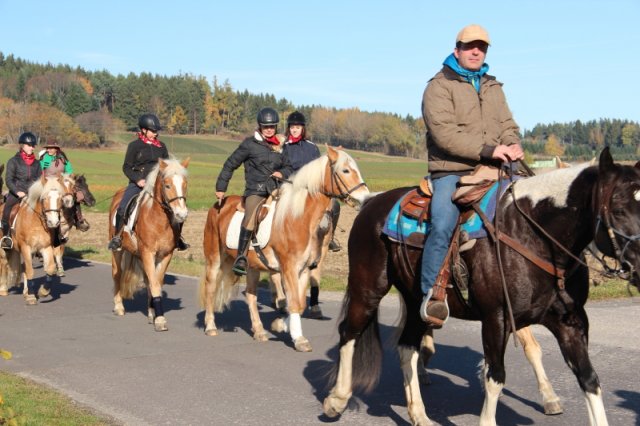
[559,60]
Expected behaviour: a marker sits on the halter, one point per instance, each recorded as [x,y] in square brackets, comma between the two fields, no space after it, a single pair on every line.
[164,202]
[338,182]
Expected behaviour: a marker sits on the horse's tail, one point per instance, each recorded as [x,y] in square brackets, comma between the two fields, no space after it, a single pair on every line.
[217,268]
[367,355]
[14,267]
[132,275]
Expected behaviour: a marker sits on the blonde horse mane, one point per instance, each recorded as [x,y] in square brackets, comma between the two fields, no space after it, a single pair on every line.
[305,182]
[173,168]
[39,189]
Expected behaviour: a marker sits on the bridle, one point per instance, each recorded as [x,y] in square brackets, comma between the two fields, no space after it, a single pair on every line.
[165,202]
[603,222]
[343,191]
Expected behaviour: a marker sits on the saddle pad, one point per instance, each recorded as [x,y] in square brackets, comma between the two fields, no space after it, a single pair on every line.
[399,227]
[264,228]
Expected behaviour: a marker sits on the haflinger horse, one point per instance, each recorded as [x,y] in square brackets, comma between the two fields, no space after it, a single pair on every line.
[574,205]
[148,248]
[297,232]
[77,190]
[36,222]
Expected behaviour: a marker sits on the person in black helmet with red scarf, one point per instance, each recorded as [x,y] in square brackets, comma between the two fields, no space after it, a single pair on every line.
[142,156]
[264,163]
[22,170]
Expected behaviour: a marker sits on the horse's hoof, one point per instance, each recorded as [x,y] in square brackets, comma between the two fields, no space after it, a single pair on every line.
[60,271]
[302,344]
[553,408]
[118,310]
[315,312]
[277,326]
[160,324]
[211,332]
[334,406]
[44,292]
[260,336]
[31,299]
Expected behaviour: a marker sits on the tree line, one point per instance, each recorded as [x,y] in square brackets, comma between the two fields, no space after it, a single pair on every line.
[77,107]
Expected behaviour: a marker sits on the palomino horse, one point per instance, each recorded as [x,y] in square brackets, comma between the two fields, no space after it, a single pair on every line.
[574,205]
[78,191]
[294,245]
[36,221]
[147,251]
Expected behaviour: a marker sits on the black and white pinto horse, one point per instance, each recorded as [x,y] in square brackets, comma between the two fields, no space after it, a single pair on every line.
[573,206]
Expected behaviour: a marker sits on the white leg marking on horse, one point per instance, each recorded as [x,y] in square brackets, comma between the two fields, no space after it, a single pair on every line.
[595,407]
[337,400]
[409,364]
[492,391]
[636,195]
[295,326]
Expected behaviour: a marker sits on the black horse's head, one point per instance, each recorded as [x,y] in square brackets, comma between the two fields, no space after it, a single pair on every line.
[81,187]
[618,218]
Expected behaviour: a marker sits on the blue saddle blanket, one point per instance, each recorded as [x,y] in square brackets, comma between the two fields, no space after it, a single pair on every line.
[400,227]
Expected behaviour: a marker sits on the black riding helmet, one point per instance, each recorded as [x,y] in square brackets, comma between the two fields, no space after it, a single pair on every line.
[28,138]
[296,117]
[268,117]
[150,122]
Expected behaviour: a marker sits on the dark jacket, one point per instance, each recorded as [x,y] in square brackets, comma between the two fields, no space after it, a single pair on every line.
[19,175]
[463,126]
[300,153]
[141,158]
[260,160]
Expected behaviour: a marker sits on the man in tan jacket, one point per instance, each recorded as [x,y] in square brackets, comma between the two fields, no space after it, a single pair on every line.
[468,123]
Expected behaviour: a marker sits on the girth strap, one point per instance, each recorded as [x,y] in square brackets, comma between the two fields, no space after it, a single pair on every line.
[256,247]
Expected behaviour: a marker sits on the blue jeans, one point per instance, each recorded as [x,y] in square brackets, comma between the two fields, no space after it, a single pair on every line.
[444,217]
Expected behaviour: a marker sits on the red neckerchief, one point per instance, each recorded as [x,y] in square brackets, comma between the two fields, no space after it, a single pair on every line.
[295,140]
[272,140]
[143,138]
[28,158]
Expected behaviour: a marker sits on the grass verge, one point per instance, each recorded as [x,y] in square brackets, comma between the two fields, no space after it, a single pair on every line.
[23,402]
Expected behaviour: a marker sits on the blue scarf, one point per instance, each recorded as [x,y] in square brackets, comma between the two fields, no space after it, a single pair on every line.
[472,77]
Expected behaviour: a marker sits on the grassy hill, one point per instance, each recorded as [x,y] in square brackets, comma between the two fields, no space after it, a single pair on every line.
[103,167]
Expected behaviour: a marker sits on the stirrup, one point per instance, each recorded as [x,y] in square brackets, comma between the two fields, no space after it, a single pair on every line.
[240,266]
[6,242]
[434,312]
[334,246]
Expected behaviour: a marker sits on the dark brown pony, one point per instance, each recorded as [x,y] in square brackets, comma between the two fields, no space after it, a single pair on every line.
[574,206]
[148,249]
[78,190]
[36,222]
[297,236]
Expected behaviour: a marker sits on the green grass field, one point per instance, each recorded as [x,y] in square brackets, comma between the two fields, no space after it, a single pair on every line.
[103,168]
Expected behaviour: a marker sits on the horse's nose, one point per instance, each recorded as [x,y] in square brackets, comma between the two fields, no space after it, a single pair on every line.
[181,215]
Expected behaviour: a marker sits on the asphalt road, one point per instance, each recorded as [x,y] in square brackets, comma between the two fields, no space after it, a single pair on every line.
[121,367]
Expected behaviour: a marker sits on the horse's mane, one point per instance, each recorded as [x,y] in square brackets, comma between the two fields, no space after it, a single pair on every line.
[38,189]
[305,182]
[553,185]
[173,168]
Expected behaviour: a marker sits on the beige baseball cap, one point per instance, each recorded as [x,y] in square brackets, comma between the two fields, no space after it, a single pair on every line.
[471,33]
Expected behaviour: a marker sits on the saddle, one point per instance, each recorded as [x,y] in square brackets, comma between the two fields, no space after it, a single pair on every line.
[261,214]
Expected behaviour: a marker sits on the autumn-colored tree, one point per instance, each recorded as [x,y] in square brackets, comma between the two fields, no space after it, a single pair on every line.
[178,123]
[103,124]
[630,135]
[553,147]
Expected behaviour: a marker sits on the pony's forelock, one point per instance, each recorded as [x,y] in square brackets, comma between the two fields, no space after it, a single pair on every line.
[173,167]
[38,189]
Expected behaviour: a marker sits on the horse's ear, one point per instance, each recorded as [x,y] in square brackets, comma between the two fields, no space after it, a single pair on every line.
[637,166]
[1,168]
[163,164]
[43,179]
[606,160]
[332,154]
[185,162]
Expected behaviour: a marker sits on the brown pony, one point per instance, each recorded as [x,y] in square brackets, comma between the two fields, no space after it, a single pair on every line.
[35,224]
[299,227]
[148,248]
[78,192]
